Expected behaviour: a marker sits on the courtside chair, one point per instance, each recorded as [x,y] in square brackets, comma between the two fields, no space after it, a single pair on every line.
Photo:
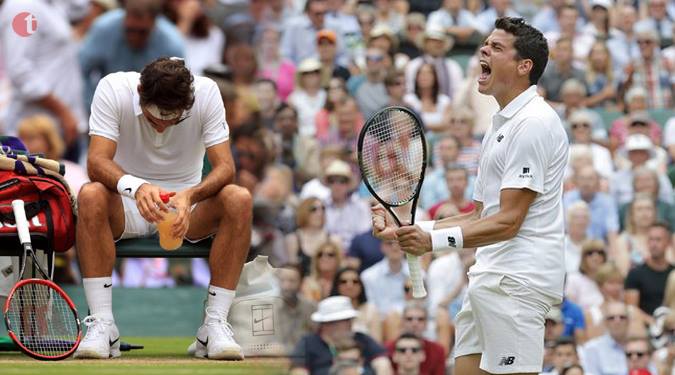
[149,247]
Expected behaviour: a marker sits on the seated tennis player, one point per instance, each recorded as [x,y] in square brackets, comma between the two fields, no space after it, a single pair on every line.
[149,132]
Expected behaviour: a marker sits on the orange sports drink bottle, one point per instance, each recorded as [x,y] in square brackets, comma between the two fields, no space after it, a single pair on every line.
[166,240]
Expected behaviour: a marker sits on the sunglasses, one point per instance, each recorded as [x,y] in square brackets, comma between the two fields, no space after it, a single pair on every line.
[645,41]
[337,180]
[616,317]
[415,318]
[581,125]
[635,354]
[401,349]
[350,281]
[374,58]
[316,208]
[591,252]
[638,123]
[330,255]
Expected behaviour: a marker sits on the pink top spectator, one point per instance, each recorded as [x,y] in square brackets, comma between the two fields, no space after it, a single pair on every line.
[283,75]
[619,131]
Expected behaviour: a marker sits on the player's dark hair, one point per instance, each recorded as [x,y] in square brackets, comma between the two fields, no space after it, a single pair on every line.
[168,84]
[529,44]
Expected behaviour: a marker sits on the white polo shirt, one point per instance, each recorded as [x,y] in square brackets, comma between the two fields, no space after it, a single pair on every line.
[526,147]
[172,159]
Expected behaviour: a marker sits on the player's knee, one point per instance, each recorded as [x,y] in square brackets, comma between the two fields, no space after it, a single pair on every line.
[92,198]
[236,200]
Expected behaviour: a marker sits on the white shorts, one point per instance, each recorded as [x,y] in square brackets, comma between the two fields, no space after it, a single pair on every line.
[503,320]
[136,226]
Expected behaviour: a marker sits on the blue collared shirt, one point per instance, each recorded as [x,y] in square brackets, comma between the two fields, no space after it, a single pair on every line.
[604,356]
[384,288]
[105,49]
[604,213]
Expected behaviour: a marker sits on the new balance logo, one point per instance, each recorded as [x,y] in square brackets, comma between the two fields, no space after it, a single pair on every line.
[526,170]
[507,361]
[451,241]
[500,137]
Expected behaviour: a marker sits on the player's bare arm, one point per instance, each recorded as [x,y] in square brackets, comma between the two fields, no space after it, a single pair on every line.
[503,225]
[102,168]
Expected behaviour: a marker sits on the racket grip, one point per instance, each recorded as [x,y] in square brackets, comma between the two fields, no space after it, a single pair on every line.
[415,268]
[21,222]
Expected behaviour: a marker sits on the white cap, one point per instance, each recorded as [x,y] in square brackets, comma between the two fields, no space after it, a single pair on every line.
[309,65]
[339,168]
[638,142]
[607,4]
[333,309]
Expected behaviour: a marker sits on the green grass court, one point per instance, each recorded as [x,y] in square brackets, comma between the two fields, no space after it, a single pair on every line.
[161,356]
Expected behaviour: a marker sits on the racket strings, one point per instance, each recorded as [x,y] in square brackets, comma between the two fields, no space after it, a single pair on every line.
[42,320]
[393,156]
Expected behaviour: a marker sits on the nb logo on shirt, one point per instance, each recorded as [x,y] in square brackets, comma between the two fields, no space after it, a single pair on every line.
[500,137]
[526,173]
[526,170]
[507,361]
[451,241]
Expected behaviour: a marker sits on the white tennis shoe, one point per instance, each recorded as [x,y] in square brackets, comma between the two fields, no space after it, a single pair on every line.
[102,340]
[215,340]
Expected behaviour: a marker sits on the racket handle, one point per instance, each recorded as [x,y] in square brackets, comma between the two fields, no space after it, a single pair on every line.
[21,222]
[415,268]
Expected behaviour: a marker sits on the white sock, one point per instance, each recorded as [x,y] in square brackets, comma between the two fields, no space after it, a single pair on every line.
[219,301]
[99,298]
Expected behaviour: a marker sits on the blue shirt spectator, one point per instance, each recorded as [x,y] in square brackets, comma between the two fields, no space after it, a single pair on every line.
[366,249]
[573,318]
[126,40]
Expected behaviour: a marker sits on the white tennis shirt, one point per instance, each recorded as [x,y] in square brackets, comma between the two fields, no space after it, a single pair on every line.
[526,147]
[172,159]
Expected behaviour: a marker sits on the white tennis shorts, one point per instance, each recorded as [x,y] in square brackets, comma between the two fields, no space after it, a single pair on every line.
[136,226]
[503,320]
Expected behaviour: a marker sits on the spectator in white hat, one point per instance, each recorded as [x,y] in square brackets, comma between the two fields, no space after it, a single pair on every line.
[580,125]
[639,123]
[308,97]
[598,26]
[312,354]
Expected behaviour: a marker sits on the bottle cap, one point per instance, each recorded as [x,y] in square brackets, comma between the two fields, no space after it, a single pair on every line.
[165,196]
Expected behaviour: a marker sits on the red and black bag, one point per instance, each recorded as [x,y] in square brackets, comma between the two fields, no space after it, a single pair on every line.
[50,207]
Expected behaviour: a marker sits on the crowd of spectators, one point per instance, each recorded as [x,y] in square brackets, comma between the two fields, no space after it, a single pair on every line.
[298,79]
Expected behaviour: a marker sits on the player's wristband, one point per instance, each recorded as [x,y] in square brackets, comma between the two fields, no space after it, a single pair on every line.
[128,185]
[447,239]
[426,225]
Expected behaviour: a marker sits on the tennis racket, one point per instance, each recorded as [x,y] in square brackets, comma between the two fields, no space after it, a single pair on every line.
[39,315]
[392,154]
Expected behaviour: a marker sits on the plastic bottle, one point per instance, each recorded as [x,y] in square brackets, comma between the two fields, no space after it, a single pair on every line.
[164,227]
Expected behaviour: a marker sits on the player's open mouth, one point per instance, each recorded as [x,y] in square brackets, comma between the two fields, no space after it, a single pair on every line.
[485,71]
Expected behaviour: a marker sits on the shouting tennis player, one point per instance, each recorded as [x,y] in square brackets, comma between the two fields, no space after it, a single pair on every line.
[149,132]
[517,224]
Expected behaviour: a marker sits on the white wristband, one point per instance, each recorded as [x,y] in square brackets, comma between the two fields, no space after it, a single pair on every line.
[447,239]
[128,184]
[426,225]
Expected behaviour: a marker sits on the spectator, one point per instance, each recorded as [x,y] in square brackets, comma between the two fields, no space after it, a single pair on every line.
[412,35]
[580,124]
[312,355]
[610,282]
[415,322]
[272,64]
[386,14]
[126,40]
[265,91]
[658,20]
[461,126]
[308,97]
[408,356]
[383,38]
[428,101]
[598,26]
[435,188]
[632,246]
[646,283]
[578,218]
[605,355]
[546,20]
[336,94]
[574,370]
[348,283]
[564,355]
[635,102]
[573,93]
[567,20]
[368,89]
[622,44]
[204,42]
[365,15]
[301,153]
[638,356]
[326,41]
[303,243]
[294,316]
[318,186]
[251,154]
[638,147]
[581,287]
[324,266]
[436,45]
[385,279]
[347,350]
[43,72]
[669,138]
[574,321]
[651,71]
[560,69]
[497,9]
[266,238]
[453,19]
[298,41]
[553,329]
[394,82]
[241,60]
[601,78]
[445,276]
[339,13]
[646,181]
[364,251]
[639,123]
[604,223]
[344,132]
[346,214]
[457,180]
